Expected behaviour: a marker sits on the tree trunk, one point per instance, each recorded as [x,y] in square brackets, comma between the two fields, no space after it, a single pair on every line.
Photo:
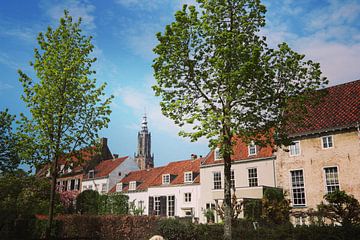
[52,198]
[228,211]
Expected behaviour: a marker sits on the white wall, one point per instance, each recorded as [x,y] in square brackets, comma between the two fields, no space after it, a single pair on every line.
[92,182]
[127,166]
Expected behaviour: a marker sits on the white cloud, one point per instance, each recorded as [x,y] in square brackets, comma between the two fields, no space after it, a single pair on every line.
[5,86]
[148,5]
[77,9]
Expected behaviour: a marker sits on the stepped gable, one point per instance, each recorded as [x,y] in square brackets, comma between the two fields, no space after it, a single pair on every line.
[240,152]
[339,109]
[104,168]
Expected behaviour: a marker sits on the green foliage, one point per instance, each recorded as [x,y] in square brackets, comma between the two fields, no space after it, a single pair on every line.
[87,202]
[275,207]
[209,214]
[21,197]
[133,209]
[341,208]
[215,72]
[67,109]
[252,209]
[116,203]
[9,158]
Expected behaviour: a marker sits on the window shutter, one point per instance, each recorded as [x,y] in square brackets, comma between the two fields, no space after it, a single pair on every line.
[163,206]
[151,206]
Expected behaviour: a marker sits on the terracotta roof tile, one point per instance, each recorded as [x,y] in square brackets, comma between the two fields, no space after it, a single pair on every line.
[104,168]
[340,108]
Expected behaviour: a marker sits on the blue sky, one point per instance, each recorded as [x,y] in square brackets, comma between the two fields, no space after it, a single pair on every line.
[327,31]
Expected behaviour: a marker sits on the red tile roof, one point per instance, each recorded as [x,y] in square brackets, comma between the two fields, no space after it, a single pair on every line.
[240,152]
[104,168]
[340,108]
[153,177]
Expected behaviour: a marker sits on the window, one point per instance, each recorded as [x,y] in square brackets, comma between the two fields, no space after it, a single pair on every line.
[187,197]
[217,180]
[253,180]
[327,142]
[295,148]
[188,177]
[85,188]
[90,187]
[141,204]
[72,184]
[65,185]
[103,188]
[252,148]
[332,179]
[97,187]
[77,184]
[166,179]
[298,188]
[232,178]
[217,154]
[132,185]
[119,174]
[157,206]
[119,187]
[91,174]
[171,206]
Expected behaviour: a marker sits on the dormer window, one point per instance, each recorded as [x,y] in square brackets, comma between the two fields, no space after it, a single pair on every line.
[62,168]
[252,148]
[188,177]
[166,179]
[91,174]
[217,154]
[132,185]
[119,187]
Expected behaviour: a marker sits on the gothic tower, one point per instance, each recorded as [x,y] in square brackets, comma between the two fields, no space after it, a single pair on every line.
[143,157]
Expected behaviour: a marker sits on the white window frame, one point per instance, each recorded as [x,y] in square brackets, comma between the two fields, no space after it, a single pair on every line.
[119,187]
[171,207]
[187,197]
[327,142]
[157,206]
[217,154]
[91,174]
[252,179]
[293,147]
[166,179]
[232,178]
[331,185]
[299,187]
[132,185]
[252,147]
[188,177]
[217,182]
[103,188]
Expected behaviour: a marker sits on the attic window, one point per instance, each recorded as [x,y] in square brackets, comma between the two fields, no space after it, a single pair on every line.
[188,177]
[132,185]
[217,154]
[119,187]
[252,148]
[91,174]
[166,179]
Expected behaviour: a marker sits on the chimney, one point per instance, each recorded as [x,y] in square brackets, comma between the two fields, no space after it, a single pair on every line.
[193,156]
[115,155]
[103,141]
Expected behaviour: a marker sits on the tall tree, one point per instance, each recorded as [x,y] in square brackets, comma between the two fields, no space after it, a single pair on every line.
[9,158]
[215,71]
[67,109]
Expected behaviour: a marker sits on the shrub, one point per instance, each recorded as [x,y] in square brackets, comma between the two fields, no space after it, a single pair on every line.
[88,202]
[275,207]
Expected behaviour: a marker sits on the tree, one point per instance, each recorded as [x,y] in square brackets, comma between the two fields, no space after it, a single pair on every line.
[275,207]
[9,158]
[88,202]
[341,208]
[67,109]
[216,72]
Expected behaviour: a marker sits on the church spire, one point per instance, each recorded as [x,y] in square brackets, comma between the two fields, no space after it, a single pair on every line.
[143,157]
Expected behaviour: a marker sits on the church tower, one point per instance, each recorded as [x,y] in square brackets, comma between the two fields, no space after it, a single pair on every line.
[143,157]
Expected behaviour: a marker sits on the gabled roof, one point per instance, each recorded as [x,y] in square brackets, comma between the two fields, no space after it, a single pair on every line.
[153,177]
[240,153]
[338,109]
[104,168]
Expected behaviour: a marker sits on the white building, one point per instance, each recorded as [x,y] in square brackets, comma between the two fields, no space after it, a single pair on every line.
[107,173]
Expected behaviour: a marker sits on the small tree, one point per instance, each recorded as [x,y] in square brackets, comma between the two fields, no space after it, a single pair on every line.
[275,207]
[87,202]
[341,208]
[215,71]
[67,109]
[9,158]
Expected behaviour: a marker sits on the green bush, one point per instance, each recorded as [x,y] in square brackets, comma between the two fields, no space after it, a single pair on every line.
[87,202]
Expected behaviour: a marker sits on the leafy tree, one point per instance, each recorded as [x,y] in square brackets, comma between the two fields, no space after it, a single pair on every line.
[216,72]
[67,109]
[9,158]
[275,207]
[116,203]
[341,207]
[88,202]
